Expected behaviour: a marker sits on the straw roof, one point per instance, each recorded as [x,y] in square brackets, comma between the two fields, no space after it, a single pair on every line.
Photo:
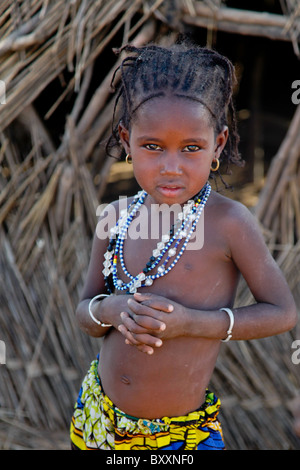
[51,186]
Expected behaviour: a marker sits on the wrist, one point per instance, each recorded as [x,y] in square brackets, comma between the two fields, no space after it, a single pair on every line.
[93,307]
[210,324]
[231,324]
[189,324]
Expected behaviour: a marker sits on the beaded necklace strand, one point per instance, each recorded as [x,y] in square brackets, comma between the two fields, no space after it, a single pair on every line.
[186,224]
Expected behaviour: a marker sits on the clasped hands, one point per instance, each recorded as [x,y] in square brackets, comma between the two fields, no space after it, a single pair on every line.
[149,320]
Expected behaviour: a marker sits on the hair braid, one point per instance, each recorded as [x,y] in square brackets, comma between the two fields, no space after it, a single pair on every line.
[189,71]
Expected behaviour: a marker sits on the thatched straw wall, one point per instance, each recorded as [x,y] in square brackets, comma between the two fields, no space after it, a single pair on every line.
[52,184]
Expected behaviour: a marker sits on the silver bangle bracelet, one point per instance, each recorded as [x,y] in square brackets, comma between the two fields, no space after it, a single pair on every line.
[100,296]
[229,331]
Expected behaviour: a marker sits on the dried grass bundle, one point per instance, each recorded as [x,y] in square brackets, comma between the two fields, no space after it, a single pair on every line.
[48,203]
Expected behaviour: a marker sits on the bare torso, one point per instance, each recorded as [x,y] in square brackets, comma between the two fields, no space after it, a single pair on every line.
[173,380]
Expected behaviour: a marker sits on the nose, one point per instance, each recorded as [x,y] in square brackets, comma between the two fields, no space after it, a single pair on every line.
[170,164]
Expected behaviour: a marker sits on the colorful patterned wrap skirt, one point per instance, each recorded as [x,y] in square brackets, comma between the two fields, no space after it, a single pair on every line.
[98,424]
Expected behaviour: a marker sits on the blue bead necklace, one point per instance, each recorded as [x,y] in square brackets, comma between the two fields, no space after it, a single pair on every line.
[169,245]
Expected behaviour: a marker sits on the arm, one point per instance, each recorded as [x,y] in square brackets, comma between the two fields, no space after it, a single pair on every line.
[274,311]
[106,310]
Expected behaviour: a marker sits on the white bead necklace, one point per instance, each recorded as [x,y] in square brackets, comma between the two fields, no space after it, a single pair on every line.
[169,244]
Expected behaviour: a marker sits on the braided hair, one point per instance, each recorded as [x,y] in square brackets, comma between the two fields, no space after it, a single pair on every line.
[192,72]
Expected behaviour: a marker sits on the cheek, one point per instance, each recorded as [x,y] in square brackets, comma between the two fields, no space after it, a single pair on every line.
[144,173]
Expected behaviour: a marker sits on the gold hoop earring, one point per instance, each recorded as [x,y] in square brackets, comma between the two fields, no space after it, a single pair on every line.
[217,164]
[128,159]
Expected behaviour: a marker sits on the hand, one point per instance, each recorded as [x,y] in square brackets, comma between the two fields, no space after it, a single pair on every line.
[149,321]
[111,307]
[142,327]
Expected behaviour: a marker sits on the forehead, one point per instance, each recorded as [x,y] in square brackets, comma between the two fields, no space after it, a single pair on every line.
[181,111]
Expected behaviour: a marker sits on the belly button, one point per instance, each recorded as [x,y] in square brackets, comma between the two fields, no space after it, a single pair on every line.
[125,380]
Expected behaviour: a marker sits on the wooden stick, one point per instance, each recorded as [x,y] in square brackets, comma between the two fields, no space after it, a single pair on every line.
[277,165]
[240,21]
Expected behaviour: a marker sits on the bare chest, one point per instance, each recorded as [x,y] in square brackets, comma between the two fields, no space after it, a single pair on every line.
[201,276]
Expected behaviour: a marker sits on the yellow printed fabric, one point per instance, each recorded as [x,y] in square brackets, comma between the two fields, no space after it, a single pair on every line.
[98,424]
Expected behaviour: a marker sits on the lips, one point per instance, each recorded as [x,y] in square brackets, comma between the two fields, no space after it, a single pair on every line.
[170,189]
[171,185]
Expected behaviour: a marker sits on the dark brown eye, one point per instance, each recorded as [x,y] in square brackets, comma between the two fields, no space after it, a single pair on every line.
[152,147]
[191,148]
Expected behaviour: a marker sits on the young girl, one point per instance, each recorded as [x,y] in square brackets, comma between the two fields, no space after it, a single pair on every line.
[162,308]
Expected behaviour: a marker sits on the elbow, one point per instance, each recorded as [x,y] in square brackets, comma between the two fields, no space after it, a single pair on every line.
[77,313]
[80,316]
[84,322]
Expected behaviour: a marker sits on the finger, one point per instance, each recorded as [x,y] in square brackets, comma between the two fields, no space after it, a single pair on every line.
[137,335]
[138,339]
[145,316]
[141,347]
[154,301]
[129,339]
[148,340]
[145,349]
[131,324]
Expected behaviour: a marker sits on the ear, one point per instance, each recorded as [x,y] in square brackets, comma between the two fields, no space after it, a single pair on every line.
[124,137]
[221,140]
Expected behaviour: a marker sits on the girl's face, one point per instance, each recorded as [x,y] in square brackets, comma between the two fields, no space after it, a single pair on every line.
[172,145]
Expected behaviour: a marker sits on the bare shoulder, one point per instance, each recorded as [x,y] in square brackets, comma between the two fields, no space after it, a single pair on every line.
[230,211]
[235,221]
